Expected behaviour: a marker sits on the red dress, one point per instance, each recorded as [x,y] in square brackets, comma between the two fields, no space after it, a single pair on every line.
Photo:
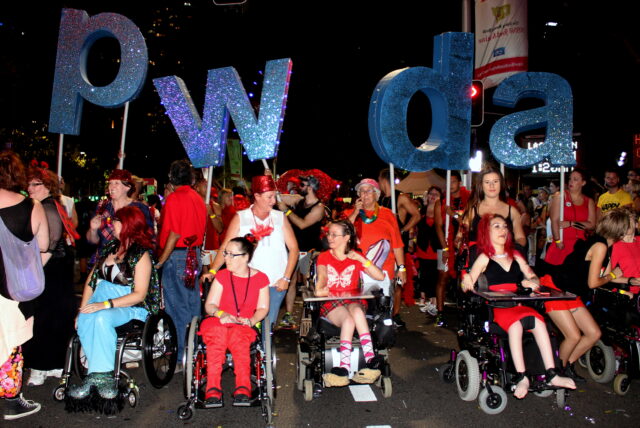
[342,275]
[570,235]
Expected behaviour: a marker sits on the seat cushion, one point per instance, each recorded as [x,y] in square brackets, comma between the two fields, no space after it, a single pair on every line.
[129,327]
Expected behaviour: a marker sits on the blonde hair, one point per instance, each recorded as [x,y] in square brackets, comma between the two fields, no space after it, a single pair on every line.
[615,223]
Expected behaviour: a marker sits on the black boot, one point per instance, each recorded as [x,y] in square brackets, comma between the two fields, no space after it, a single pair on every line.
[570,371]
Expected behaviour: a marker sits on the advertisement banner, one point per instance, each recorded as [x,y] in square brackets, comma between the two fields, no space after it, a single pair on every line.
[502,46]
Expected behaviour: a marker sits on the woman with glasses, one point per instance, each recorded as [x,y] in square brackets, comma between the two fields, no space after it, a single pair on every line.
[339,271]
[122,286]
[237,301]
[54,309]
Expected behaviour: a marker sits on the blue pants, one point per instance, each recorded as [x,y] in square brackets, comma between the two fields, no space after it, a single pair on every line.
[181,303]
[97,330]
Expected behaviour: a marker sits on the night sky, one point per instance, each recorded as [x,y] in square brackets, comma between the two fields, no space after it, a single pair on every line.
[340,50]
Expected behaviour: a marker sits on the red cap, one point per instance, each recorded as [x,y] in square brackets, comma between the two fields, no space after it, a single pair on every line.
[263,183]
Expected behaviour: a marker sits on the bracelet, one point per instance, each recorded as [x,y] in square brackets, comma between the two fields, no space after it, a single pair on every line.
[286,279]
[445,249]
[213,271]
[218,313]
[623,292]
[558,241]
[366,264]
[111,303]
[288,213]
[106,304]
[612,275]
[402,268]
[212,216]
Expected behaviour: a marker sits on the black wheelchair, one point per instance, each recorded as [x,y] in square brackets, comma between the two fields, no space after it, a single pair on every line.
[319,340]
[263,364]
[616,356]
[483,369]
[154,342]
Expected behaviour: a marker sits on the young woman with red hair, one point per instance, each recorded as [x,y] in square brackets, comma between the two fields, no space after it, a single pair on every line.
[504,268]
[122,286]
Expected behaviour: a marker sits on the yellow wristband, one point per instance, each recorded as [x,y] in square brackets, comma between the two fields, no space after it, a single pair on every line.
[212,216]
[287,213]
[445,249]
[558,241]
[219,313]
[623,292]
[366,264]
[213,271]
[612,275]
[106,304]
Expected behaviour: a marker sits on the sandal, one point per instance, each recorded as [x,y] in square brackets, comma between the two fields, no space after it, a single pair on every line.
[213,398]
[241,399]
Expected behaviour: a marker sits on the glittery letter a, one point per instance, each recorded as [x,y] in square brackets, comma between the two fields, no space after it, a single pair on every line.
[556,116]
[205,139]
[448,87]
[71,86]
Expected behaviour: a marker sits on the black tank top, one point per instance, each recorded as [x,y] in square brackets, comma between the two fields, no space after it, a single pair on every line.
[17,218]
[309,237]
[473,230]
[497,275]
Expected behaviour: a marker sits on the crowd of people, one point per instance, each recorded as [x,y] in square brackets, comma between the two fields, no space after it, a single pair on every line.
[256,245]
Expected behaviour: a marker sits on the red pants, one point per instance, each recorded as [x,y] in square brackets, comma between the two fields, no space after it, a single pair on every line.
[237,339]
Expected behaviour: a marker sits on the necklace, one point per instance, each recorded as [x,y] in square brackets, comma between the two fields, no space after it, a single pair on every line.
[246,292]
[374,217]
[500,256]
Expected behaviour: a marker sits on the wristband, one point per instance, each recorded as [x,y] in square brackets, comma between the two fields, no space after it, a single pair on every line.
[286,279]
[366,264]
[558,241]
[111,303]
[445,249]
[106,304]
[402,268]
[288,213]
[623,292]
[218,313]
[612,275]
[212,216]
[213,271]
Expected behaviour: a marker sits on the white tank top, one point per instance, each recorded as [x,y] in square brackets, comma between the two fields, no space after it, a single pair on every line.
[270,255]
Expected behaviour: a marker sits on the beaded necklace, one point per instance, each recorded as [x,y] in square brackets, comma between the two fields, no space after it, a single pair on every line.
[374,217]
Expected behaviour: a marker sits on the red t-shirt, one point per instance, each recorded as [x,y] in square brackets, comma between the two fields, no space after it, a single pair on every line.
[184,213]
[212,237]
[247,291]
[384,228]
[227,215]
[342,275]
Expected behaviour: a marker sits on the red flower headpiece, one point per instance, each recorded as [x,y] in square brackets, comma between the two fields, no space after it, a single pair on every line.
[35,164]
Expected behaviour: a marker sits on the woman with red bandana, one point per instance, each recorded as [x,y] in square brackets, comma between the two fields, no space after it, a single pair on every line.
[276,252]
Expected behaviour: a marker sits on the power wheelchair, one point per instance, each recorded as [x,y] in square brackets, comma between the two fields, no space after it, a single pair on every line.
[616,356]
[153,341]
[483,368]
[319,340]
[263,363]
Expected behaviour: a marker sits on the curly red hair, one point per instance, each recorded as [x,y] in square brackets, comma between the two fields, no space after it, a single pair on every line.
[484,236]
[134,228]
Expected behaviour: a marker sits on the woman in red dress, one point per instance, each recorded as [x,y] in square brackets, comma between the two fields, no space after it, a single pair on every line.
[339,270]
[504,268]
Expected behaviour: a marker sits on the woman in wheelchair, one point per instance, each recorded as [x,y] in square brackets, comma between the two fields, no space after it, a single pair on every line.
[237,301]
[338,270]
[504,268]
[122,286]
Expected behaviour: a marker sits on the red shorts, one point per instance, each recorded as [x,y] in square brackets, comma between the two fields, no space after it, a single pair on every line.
[505,317]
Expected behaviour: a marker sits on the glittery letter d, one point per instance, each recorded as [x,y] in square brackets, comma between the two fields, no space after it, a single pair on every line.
[448,87]
[556,116]
[71,86]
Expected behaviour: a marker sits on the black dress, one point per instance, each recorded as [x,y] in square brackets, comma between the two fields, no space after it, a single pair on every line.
[55,309]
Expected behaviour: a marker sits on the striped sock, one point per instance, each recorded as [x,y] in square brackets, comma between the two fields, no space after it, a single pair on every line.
[367,346]
[345,354]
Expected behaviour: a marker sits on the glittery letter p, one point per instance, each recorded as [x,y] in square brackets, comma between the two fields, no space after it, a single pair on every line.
[448,87]
[71,86]
[556,115]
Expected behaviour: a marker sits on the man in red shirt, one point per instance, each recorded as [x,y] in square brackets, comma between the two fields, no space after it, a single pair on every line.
[184,217]
[379,235]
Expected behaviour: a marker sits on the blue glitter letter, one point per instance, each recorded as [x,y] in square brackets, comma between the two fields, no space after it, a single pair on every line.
[205,140]
[71,86]
[447,86]
[556,115]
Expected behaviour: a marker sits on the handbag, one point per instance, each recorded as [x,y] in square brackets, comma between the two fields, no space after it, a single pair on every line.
[24,276]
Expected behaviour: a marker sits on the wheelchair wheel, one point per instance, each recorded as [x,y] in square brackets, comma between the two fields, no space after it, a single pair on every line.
[188,362]
[467,376]
[270,363]
[60,393]
[185,412]
[387,387]
[544,393]
[308,389]
[301,368]
[621,384]
[80,363]
[447,373]
[492,403]
[159,349]
[561,398]
[601,363]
